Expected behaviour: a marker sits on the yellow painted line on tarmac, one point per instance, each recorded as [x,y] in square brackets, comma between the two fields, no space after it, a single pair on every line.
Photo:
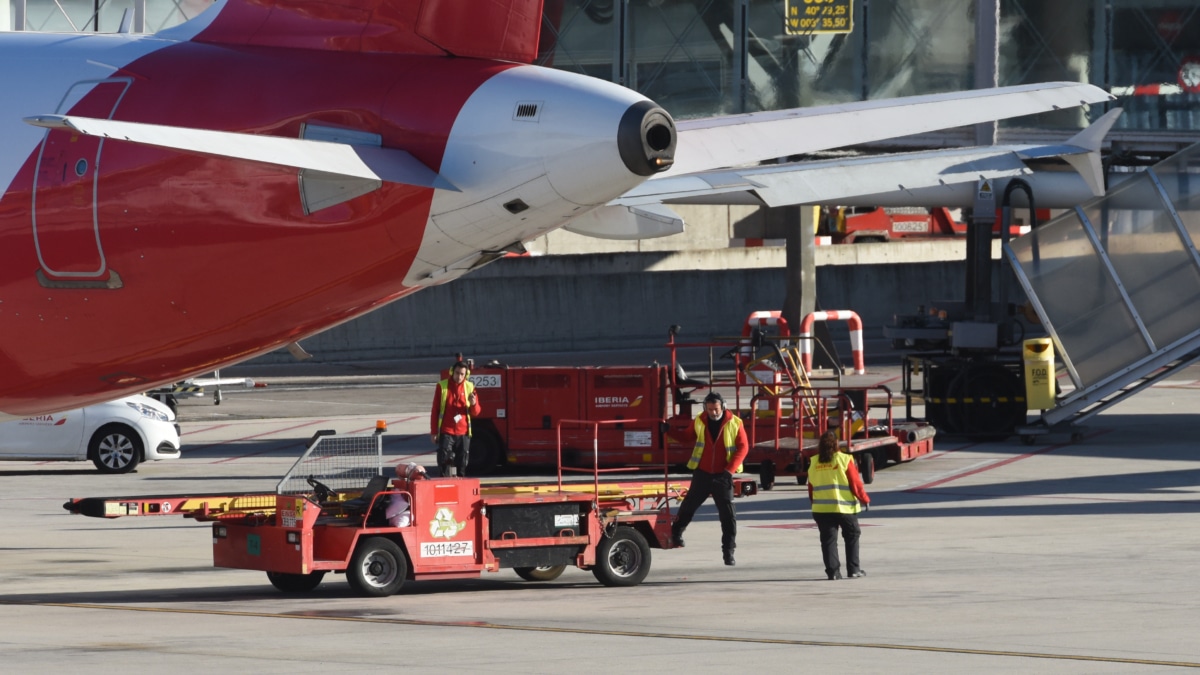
[625,633]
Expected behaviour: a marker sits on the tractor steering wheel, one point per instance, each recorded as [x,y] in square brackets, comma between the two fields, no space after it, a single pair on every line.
[322,492]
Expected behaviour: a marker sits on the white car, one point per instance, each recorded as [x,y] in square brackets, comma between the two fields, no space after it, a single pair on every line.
[116,436]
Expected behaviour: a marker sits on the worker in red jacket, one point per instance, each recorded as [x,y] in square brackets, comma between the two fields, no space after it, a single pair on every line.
[720,448]
[454,404]
[837,494]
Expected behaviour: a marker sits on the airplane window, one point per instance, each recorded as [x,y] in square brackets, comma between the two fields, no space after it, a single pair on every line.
[81,167]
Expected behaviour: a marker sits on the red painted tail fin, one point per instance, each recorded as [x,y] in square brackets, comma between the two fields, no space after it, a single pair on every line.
[487,29]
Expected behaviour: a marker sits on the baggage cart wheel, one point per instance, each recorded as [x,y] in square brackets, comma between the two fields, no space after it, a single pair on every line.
[295,583]
[766,474]
[622,559]
[866,466]
[378,568]
[544,573]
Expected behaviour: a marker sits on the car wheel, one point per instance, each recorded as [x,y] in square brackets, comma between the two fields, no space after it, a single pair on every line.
[378,568]
[622,559]
[115,448]
[295,583]
[547,573]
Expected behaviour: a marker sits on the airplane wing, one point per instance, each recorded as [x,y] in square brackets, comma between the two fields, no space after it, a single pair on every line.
[734,140]
[828,181]
[344,159]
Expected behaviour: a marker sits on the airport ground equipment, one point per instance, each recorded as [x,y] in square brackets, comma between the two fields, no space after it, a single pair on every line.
[1112,282]
[195,388]
[335,512]
[865,224]
[966,366]
[760,374]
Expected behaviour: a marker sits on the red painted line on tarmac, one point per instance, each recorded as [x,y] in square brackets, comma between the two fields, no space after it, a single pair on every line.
[801,526]
[998,495]
[997,465]
[389,423]
[244,438]
[212,428]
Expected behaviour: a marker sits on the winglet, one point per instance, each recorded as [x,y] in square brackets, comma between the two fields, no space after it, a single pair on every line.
[1091,139]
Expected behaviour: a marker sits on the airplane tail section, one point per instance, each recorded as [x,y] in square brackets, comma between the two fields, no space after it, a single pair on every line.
[505,30]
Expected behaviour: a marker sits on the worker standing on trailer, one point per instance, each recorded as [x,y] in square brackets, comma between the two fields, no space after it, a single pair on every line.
[454,403]
[837,494]
[721,446]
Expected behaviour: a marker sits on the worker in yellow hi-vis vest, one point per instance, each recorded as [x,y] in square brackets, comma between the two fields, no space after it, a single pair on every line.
[837,494]
[721,446]
[454,404]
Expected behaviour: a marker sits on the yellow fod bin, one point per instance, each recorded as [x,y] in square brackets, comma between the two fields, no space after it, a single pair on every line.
[1039,373]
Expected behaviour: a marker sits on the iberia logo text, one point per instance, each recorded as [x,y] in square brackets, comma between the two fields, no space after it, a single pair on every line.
[617,402]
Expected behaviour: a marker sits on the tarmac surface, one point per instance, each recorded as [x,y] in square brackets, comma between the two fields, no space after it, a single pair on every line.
[981,557]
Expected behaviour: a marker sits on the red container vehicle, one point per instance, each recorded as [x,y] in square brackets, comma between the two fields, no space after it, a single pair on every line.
[762,376]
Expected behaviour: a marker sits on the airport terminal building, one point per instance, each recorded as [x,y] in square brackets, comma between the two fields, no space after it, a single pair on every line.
[706,57]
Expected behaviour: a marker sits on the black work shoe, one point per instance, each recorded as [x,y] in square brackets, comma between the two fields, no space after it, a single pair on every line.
[860,573]
[729,559]
[835,576]
[676,539]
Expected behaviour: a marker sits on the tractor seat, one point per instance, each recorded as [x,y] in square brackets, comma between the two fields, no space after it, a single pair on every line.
[359,505]
[682,380]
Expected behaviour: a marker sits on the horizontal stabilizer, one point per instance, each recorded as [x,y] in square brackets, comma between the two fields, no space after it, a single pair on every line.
[627,222]
[734,140]
[356,161]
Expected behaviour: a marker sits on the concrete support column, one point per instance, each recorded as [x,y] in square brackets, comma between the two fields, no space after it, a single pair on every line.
[17,9]
[987,59]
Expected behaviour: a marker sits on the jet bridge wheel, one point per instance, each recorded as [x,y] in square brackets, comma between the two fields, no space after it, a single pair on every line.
[985,400]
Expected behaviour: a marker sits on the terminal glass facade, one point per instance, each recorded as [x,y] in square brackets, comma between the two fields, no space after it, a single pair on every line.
[707,57]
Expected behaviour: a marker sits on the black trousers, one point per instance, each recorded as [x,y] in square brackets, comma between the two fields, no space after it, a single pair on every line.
[453,451]
[828,525]
[719,486]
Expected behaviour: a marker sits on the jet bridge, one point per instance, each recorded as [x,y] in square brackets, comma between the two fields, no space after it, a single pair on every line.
[1116,283]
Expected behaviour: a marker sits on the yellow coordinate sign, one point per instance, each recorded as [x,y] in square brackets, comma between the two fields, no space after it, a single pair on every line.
[805,17]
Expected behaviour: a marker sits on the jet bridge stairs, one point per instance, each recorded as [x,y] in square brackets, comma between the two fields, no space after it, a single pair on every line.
[1116,283]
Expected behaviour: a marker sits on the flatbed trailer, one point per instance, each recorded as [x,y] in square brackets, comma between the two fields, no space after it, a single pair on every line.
[815,410]
[456,528]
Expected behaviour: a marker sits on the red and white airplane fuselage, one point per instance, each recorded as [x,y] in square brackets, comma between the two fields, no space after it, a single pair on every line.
[174,203]
[171,263]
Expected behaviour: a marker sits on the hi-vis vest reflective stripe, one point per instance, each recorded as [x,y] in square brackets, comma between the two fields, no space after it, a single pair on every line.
[444,387]
[729,435]
[831,486]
